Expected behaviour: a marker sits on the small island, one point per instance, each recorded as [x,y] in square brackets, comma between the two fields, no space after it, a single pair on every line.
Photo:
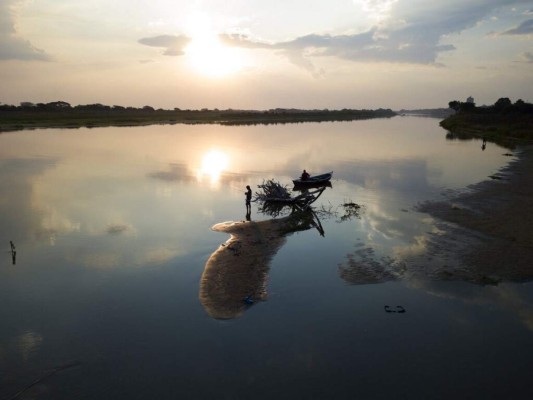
[60,114]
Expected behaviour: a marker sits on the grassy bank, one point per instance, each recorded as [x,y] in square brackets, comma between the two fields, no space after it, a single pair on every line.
[18,118]
[492,126]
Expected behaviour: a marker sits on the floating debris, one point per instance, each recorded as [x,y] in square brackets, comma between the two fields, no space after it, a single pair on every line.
[351,210]
[397,309]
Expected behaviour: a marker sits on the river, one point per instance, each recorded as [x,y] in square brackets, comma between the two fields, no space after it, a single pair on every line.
[100,298]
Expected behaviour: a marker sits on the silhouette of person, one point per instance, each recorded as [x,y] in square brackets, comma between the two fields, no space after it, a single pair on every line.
[248,195]
[305,175]
[13,252]
[484,145]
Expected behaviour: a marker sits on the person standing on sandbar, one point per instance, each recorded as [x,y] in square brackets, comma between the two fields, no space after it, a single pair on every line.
[248,195]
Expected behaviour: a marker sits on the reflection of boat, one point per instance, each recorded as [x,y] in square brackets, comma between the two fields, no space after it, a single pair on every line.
[313,180]
[301,187]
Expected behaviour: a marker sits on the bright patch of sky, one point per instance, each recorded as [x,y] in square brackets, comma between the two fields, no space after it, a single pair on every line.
[257,54]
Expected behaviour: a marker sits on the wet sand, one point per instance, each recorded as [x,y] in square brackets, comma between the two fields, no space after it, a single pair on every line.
[499,213]
[235,276]
[238,269]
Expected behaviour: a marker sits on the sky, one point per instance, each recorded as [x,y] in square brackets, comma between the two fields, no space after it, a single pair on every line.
[257,54]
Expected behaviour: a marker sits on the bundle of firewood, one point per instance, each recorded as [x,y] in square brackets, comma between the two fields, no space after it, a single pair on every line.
[272,190]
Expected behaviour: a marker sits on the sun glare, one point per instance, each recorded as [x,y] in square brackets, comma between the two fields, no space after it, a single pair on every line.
[206,54]
[213,164]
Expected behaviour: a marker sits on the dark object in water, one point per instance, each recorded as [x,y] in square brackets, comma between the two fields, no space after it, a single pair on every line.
[397,309]
[248,300]
[13,252]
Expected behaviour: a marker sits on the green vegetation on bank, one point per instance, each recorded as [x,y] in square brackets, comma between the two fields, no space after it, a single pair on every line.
[503,122]
[60,114]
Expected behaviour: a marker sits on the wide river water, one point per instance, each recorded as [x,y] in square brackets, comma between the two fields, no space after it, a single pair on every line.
[112,232]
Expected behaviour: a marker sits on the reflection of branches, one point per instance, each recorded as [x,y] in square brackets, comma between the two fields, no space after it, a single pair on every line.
[302,220]
[274,199]
[274,209]
[351,210]
[324,212]
[297,218]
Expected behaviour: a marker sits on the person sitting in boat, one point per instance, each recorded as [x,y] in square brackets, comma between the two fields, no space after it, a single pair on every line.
[305,176]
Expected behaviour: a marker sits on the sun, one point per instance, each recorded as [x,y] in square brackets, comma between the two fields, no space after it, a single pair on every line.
[206,54]
[209,57]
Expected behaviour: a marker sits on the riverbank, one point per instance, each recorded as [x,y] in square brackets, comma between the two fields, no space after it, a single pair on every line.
[499,213]
[62,115]
[506,129]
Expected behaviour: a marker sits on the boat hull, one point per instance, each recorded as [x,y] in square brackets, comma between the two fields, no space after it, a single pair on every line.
[321,179]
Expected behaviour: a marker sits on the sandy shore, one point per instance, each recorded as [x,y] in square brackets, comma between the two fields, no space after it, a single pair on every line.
[235,276]
[238,269]
[499,213]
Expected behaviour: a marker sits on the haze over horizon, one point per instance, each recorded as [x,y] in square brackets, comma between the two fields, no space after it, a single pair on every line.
[398,54]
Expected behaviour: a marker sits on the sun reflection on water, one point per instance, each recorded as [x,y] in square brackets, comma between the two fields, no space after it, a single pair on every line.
[214,163]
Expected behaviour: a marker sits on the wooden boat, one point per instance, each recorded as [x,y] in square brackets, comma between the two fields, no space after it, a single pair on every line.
[314,180]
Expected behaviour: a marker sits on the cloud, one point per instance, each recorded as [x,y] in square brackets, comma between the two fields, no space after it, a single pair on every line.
[175,173]
[403,31]
[525,28]
[238,40]
[173,45]
[13,47]
[294,51]
[117,229]
[298,59]
[373,45]
[528,57]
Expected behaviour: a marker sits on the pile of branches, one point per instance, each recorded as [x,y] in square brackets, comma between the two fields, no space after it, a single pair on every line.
[275,199]
[272,191]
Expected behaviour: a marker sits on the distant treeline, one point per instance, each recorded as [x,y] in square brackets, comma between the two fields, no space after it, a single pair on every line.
[503,106]
[504,121]
[62,114]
